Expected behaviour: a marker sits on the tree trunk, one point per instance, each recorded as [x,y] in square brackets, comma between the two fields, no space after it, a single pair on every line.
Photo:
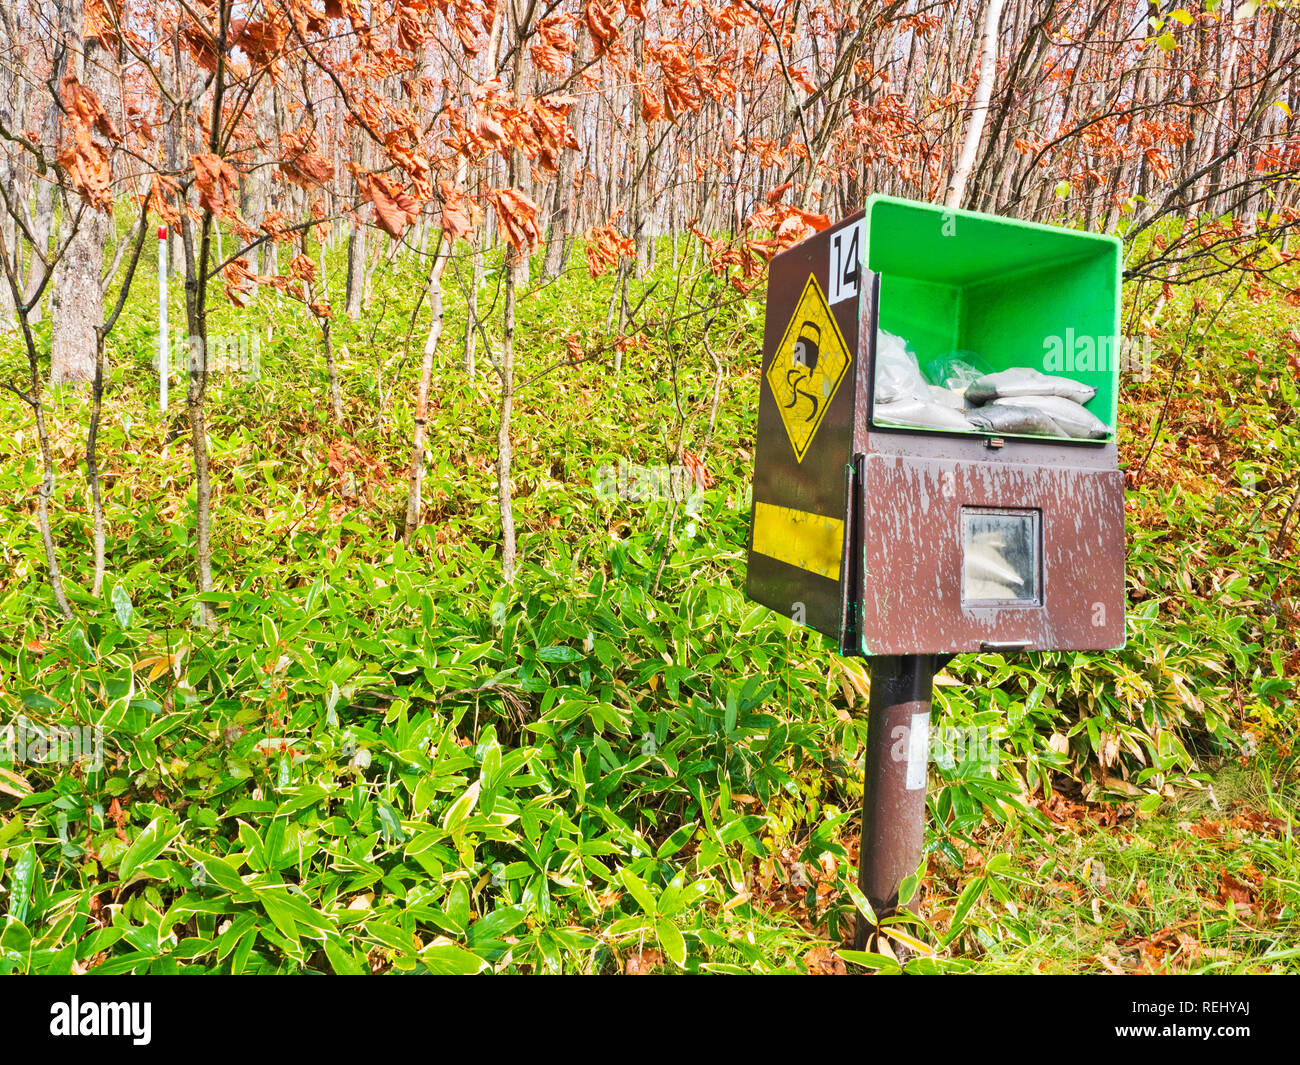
[505,501]
[78,306]
[197,264]
[356,246]
[255,186]
[8,229]
[97,403]
[983,91]
[559,232]
[42,212]
[92,465]
[33,398]
[12,102]
[416,475]
[471,306]
[516,265]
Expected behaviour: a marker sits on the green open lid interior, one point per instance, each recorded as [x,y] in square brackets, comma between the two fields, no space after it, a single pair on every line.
[1015,293]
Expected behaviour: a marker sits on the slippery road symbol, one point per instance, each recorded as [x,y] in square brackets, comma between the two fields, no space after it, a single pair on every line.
[807,367]
[805,362]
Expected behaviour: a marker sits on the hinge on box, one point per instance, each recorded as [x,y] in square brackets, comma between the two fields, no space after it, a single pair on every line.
[1004,645]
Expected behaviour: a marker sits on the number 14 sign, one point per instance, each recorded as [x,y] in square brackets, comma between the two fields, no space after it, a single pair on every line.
[846,262]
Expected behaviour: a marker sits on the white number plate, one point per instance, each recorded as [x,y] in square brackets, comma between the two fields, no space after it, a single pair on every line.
[846,262]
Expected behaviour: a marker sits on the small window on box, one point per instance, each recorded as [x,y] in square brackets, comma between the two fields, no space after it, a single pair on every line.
[1001,556]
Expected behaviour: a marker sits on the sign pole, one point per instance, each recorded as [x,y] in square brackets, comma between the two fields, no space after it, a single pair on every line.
[903,538]
[162,319]
[893,792]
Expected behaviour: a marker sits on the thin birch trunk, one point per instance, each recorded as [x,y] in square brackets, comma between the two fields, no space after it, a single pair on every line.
[416,474]
[983,91]
[505,502]
[34,398]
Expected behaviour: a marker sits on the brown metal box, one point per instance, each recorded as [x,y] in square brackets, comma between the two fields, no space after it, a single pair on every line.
[878,536]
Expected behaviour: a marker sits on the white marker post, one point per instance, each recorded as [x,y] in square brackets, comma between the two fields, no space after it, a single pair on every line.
[163,359]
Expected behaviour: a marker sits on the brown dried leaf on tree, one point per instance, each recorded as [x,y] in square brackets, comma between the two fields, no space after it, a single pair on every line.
[652,108]
[138,123]
[790,232]
[283,283]
[600,24]
[275,227]
[200,46]
[604,245]
[318,215]
[402,147]
[680,67]
[410,33]
[714,79]
[303,165]
[624,343]
[548,131]
[800,77]
[547,58]
[84,109]
[303,268]
[788,223]
[395,208]
[163,192]
[86,165]
[352,11]
[775,195]
[812,218]
[471,20]
[307,19]
[98,22]
[83,159]
[239,282]
[699,473]
[552,44]
[261,40]
[489,130]
[460,214]
[218,185]
[517,212]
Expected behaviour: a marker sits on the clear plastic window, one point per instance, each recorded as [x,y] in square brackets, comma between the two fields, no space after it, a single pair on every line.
[1001,556]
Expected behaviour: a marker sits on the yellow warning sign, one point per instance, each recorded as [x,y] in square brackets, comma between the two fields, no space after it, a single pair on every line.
[808,367]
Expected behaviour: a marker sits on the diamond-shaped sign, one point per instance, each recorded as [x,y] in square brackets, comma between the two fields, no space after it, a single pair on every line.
[808,367]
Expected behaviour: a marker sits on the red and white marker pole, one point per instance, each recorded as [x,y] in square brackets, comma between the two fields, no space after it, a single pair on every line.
[163,359]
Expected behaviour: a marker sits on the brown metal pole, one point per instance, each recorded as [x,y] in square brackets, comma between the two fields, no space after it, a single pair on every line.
[893,794]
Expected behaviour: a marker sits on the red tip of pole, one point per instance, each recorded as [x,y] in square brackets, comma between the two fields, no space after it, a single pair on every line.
[162,232]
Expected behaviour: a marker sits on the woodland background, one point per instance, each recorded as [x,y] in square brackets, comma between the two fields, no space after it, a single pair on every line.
[385,681]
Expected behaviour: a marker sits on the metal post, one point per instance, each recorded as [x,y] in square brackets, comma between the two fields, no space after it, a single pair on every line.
[893,794]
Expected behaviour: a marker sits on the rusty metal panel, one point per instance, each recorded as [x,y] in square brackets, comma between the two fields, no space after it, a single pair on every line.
[801,530]
[913,556]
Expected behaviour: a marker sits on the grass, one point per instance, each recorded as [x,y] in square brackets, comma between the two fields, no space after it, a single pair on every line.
[1192,890]
[387,759]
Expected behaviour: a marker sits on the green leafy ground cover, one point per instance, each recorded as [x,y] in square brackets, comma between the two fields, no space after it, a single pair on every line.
[385,759]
